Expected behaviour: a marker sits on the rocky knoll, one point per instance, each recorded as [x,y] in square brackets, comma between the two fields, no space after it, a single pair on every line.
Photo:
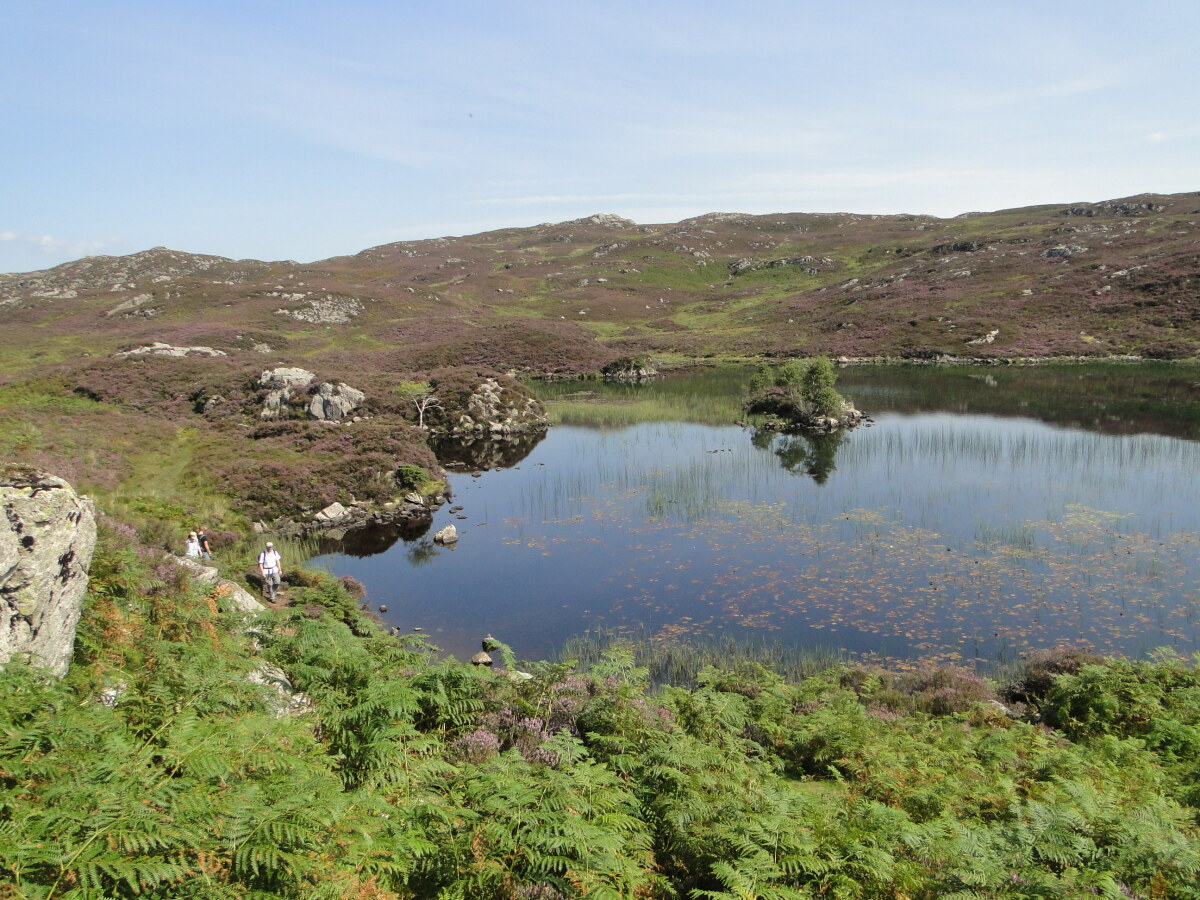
[46,544]
[475,402]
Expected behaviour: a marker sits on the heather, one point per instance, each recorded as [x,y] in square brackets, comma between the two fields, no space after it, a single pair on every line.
[1089,280]
[167,444]
[158,768]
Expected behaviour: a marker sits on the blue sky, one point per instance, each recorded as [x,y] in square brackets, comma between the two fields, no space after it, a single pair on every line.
[303,130]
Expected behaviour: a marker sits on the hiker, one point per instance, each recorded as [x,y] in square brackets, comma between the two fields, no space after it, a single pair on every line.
[269,567]
[205,546]
[192,547]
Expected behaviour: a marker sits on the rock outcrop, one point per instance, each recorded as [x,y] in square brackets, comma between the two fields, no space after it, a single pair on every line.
[284,385]
[46,544]
[496,406]
[332,401]
[158,348]
[280,384]
[230,596]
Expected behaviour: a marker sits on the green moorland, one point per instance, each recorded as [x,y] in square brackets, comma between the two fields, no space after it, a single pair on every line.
[170,762]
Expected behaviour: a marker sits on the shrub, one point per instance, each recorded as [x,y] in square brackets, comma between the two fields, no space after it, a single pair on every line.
[411,476]
[796,390]
[1041,669]
[1117,698]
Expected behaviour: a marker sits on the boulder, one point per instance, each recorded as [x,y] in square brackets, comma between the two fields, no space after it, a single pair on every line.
[46,546]
[334,512]
[199,572]
[280,384]
[332,401]
[280,695]
[448,535]
[285,377]
[1063,251]
[230,596]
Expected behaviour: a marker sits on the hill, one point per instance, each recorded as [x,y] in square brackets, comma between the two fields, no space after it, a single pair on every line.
[1110,278]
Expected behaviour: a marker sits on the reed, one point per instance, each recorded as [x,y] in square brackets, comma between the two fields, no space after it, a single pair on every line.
[679,662]
[709,398]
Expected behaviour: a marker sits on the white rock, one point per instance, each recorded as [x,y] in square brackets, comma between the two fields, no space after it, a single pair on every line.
[332,513]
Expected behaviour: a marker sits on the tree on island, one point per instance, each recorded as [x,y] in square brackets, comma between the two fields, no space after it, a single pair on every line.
[801,393]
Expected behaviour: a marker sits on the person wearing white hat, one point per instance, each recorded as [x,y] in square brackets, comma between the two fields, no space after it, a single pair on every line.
[192,548]
[271,569]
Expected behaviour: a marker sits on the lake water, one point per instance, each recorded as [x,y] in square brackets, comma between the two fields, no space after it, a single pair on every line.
[985,512]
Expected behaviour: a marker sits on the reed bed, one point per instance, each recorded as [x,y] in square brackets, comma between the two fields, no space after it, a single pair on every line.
[680,662]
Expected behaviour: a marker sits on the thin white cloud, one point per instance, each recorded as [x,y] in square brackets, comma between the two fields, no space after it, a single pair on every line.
[50,245]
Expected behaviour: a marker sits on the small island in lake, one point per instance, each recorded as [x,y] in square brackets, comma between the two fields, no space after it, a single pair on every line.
[800,395]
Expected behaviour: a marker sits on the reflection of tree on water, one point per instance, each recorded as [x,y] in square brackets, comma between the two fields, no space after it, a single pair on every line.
[812,454]
[486,451]
[421,552]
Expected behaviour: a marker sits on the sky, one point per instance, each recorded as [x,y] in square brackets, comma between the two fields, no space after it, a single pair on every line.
[290,129]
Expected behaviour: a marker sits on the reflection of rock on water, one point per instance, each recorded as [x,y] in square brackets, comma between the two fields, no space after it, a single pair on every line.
[372,540]
[486,451]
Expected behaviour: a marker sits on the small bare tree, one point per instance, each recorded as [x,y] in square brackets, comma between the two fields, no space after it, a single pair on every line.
[420,395]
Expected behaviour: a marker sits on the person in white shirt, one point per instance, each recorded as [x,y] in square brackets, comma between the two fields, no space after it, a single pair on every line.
[271,570]
[192,548]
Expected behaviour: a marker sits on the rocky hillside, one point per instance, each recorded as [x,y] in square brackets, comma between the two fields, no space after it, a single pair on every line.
[1119,277]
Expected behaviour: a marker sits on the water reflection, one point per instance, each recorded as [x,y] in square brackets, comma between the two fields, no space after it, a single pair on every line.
[372,540]
[814,455]
[477,453]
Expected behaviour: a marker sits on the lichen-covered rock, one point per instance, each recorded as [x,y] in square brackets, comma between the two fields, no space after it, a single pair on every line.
[158,348]
[46,544]
[332,401]
[280,384]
